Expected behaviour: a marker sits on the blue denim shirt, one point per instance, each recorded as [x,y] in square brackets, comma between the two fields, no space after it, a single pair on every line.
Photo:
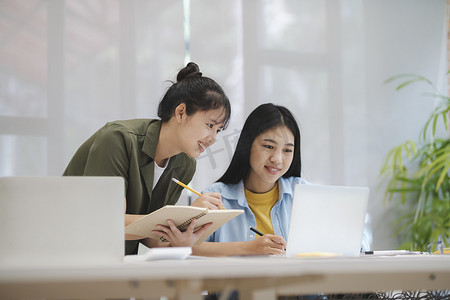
[237,229]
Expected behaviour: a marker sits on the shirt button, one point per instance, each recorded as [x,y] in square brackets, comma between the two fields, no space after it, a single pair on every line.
[252,236]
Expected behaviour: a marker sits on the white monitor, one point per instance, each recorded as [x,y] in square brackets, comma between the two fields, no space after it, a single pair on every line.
[61,220]
[327,219]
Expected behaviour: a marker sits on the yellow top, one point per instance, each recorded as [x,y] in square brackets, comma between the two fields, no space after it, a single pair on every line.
[261,204]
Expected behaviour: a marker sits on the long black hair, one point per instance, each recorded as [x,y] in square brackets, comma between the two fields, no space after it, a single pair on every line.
[264,117]
[197,92]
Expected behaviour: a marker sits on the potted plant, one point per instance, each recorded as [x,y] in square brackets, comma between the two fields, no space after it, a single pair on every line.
[419,175]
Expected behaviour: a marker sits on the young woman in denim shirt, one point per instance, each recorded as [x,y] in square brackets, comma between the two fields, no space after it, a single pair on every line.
[261,180]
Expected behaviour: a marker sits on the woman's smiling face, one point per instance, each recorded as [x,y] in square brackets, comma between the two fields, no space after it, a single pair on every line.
[199,131]
[271,156]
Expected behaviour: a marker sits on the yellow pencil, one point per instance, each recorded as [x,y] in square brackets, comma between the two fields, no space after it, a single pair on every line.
[191,189]
[186,187]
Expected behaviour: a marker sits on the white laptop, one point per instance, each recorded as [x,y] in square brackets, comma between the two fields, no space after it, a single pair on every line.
[327,220]
[48,221]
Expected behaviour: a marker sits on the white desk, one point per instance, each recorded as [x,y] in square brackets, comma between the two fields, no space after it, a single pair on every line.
[254,277]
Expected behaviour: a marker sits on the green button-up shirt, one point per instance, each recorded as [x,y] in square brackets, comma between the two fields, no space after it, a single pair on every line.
[127,149]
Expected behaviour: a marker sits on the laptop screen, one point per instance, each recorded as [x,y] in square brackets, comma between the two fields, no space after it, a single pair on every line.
[327,219]
[61,220]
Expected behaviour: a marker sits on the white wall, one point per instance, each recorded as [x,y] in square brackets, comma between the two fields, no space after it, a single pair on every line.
[67,67]
[404,38]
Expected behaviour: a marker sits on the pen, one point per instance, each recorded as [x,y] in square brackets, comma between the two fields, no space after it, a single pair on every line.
[191,189]
[256,231]
[259,233]
[186,187]
[392,252]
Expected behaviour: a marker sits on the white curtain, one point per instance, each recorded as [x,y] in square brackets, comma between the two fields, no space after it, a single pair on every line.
[68,67]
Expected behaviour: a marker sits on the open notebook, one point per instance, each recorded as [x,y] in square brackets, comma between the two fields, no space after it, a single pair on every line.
[327,220]
[182,217]
[61,220]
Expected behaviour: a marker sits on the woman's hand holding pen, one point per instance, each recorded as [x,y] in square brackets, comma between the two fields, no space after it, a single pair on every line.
[267,244]
[209,200]
[206,200]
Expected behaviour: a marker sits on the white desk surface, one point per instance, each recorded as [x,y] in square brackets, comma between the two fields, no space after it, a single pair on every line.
[254,277]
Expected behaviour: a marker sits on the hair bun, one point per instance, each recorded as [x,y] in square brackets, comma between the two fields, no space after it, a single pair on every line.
[191,70]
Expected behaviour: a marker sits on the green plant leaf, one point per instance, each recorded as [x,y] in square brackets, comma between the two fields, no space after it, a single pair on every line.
[434,95]
[441,162]
[419,175]
[415,78]
[444,175]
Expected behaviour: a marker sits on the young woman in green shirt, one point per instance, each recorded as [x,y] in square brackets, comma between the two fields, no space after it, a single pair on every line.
[148,153]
